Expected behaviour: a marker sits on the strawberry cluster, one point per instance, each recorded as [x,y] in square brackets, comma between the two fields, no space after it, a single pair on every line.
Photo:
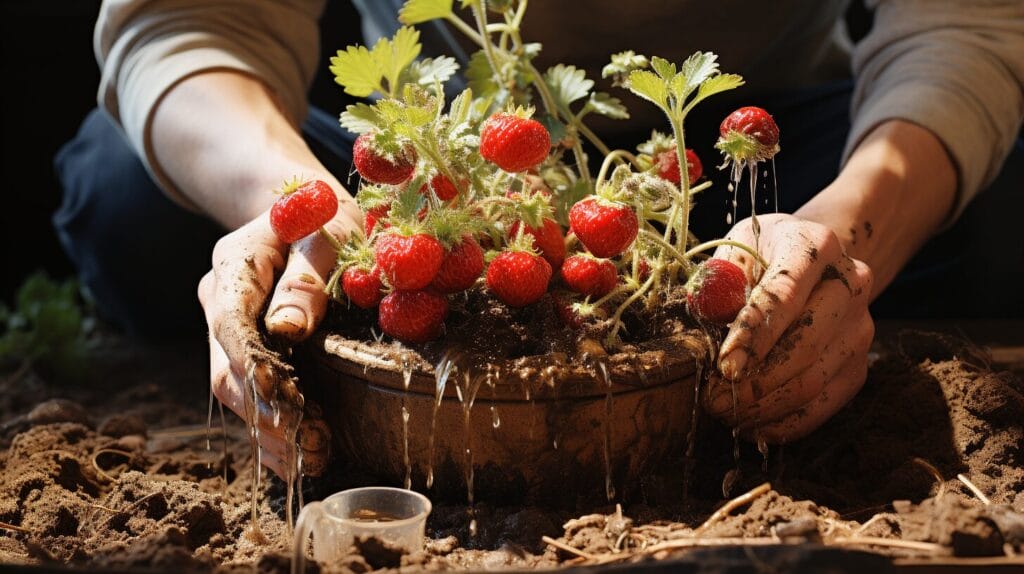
[478,194]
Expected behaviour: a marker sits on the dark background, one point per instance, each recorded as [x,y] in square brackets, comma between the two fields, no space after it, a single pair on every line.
[50,78]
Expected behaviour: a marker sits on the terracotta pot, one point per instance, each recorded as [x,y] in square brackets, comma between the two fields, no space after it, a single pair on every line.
[556,434]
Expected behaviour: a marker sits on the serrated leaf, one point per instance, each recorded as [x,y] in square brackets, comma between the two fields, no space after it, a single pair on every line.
[458,110]
[395,54]
[359,118]
[356,70]
[428,71]
[663,67]
[624,63]
[567,84]
[715,85]
[699,67]
[649,86]
[417,11]
[608,105]
[480,76]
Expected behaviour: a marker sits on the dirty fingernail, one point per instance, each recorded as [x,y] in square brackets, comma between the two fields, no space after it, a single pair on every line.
[287,320]
[732,364]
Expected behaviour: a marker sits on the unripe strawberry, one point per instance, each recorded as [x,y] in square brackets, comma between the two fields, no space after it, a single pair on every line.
[413,316]
[518,278]
[606,228]
[667,163]
[589,275]
[514,143]
[749,134]
[461,267]
[717,291]
[362,287]
[409,262]
[548,240]
[302,209]
[374,166]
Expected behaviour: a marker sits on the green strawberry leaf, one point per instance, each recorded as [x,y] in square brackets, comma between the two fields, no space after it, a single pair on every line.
[715,85]
[430,71]
[396,54]
[649,86]
[418,11]
[480,76]
[460,108]
[556,129]
[663,67]
[622,64]
[356,70]
[360,118]
[608,106]
[567,84]
[697,68]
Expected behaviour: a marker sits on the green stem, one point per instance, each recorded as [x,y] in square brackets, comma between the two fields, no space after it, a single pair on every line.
[683,232]
[479,9]
[699,188]
[617,317]
[593,138]
[618,290]
[607,163]
[331,239]
[731,243]
[681,257]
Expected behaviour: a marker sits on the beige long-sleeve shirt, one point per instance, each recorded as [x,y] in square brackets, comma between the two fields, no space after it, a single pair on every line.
[955,67]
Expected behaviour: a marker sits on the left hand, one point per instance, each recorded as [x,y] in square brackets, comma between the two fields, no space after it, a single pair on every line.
[797,352]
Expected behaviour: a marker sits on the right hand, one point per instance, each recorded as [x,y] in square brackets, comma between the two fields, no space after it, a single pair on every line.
[233,293]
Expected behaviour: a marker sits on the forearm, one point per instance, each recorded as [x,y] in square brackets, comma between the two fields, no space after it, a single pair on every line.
[221,140]
[894,193]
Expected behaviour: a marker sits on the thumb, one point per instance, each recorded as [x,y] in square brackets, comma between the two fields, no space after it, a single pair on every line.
[299,301]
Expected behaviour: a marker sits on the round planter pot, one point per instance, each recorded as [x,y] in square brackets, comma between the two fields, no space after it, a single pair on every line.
[536,430]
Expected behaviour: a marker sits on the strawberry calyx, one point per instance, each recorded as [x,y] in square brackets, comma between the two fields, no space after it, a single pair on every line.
[741,147]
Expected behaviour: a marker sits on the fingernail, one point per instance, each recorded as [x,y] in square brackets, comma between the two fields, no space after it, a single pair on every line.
[288,319]
[732,364]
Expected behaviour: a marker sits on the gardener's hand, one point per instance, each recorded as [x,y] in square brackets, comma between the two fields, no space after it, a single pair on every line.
[233,295]
[797,352]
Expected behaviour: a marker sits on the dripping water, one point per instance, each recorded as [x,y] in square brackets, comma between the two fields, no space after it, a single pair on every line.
[775,186]
[762,447]
[251,415]
[609,487]
[441,374]
[406,380]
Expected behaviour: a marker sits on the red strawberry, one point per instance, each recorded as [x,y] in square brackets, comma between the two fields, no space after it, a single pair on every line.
[443,188]
[605,227]
[362,287]
[461,267]
[589,275]
[749,134]
[373,215]
[376,167]
[302,209]
[549,240]
[518,278]
[667,163]
[413,316]
[716,291]
[409,262]
[568,315]
[513,143]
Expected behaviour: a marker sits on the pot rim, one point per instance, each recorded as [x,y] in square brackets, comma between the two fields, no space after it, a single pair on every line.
[657,362]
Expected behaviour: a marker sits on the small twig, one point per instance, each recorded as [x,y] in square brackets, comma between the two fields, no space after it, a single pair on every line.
[889,542]
[183,432]
[733,504]
[8,526]
[131,507]
[868,524]
[99,469]
[935,474]
[565,547]
[101,507]
[977,491]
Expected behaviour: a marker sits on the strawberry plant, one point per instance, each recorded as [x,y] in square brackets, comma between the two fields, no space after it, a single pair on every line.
[492,191]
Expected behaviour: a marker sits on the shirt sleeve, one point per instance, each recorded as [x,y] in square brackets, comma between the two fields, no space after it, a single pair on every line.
[954,67]
[145,47]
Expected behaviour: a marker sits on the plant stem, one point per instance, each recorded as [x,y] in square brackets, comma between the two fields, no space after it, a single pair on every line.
[331,239]
[616,155]
[731,243]
[683,232]
[617,317]
[681,257]
[479,9]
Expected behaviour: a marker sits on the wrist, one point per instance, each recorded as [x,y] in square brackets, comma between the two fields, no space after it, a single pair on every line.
[896,190]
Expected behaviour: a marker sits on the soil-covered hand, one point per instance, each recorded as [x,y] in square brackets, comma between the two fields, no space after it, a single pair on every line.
[234,294]
[797,352]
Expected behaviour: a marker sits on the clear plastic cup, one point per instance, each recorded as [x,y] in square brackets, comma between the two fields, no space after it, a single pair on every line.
[392,515]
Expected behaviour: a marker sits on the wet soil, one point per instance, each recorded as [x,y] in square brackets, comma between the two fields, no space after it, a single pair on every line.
[119,476]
